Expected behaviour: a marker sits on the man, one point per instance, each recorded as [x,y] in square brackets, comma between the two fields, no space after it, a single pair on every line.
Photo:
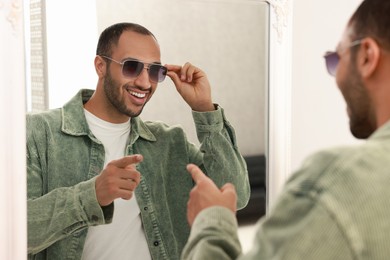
[103,184]
[337,205]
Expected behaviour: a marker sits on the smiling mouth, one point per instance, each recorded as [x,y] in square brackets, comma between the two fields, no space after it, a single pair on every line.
[136,94]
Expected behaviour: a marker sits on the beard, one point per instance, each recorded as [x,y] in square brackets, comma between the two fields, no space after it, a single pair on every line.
[362,119]
[111,89]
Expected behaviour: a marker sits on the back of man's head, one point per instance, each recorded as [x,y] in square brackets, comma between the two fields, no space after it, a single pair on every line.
[372,19]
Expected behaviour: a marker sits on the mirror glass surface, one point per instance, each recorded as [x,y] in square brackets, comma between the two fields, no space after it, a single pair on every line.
[228,39]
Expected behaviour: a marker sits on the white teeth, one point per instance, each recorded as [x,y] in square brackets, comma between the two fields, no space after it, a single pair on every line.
[138,95]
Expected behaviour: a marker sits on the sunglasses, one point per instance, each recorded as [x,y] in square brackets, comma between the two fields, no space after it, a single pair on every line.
[132,68]
[332,58]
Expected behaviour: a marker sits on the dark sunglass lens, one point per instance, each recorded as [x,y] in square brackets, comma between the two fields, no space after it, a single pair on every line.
[157,73]
[332,60]
[132,68]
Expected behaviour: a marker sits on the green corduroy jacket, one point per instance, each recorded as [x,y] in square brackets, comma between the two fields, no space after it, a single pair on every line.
[64,158]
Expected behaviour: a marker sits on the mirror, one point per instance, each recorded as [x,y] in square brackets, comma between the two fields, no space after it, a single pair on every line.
[226,39]
[229,41]
[244,46]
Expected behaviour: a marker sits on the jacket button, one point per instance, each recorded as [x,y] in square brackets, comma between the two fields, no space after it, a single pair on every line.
[95,218]
[156,243]
[145,208]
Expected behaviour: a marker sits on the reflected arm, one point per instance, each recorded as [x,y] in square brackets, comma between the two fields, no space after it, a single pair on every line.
[221,159]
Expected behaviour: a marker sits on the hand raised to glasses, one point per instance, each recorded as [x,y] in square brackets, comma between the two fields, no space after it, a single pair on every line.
[193,85]
[118,180]
[206,194]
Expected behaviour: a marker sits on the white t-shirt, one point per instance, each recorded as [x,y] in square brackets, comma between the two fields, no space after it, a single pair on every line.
[124,238]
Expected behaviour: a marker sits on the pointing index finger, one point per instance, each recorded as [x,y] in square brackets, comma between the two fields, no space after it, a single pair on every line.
[196,173]
[127,160]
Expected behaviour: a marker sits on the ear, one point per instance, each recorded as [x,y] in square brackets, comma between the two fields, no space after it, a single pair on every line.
[368,57]
[100,66]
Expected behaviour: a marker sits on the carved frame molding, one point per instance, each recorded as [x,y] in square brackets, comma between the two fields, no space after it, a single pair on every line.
[279,98]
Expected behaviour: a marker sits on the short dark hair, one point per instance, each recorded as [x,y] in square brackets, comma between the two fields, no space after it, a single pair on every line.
[110,36]
[372,19]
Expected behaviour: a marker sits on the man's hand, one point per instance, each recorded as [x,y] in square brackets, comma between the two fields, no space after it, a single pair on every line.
[206,194]
[118,180]
[193,85]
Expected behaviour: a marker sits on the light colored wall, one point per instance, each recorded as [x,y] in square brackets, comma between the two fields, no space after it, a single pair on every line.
[319,118]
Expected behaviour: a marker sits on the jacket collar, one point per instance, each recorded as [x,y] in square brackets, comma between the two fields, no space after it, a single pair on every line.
[75,123]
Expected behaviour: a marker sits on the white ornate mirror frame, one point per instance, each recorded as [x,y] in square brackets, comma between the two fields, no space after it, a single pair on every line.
[279,97]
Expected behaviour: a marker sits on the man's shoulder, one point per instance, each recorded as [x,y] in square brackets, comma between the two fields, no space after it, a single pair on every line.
[322,166]
[161,127]
[342,165]
[37,120]
[44,115]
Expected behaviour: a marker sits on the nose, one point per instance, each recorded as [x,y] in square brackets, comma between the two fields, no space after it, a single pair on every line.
[143,80]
